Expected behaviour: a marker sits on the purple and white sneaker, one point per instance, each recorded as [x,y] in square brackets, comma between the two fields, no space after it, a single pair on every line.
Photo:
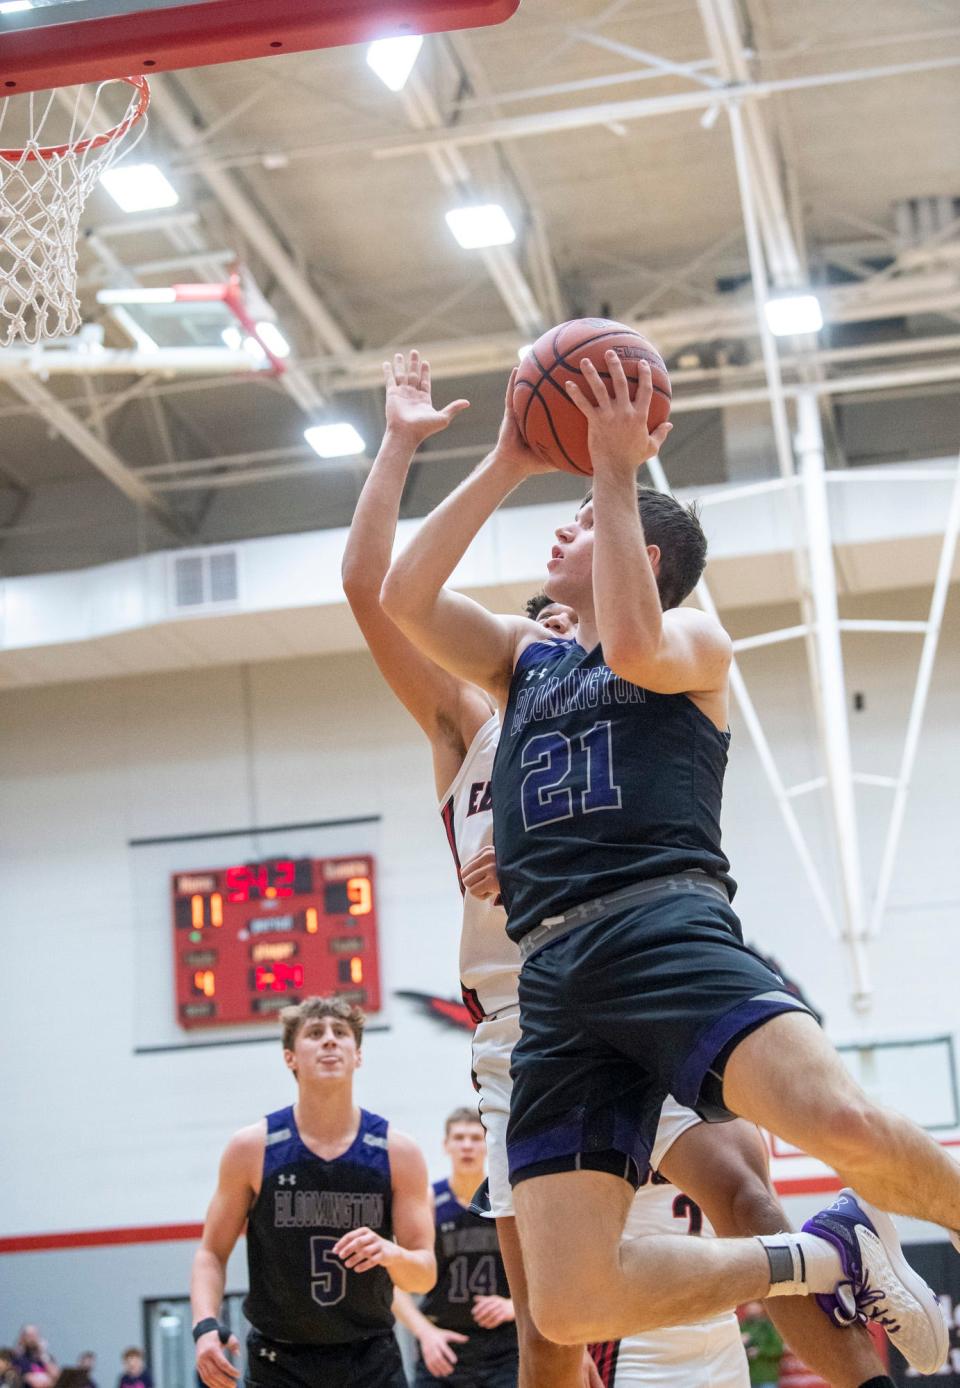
[878,1283]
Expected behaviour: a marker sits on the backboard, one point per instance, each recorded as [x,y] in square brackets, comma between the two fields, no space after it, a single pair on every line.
[58,43]
[231,317]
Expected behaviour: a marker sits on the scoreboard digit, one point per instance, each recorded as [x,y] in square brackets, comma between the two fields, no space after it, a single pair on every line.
[252,938]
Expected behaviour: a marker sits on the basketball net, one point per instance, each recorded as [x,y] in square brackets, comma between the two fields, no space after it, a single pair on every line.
[43,191]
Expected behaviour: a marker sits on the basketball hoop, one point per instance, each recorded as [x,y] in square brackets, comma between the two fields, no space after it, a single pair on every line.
[43,191]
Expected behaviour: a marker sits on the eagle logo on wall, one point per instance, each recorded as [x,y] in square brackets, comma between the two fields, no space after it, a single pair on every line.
[450,1012]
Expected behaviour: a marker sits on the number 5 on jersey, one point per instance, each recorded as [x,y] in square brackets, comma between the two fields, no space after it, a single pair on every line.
[554,760]
[328,1276]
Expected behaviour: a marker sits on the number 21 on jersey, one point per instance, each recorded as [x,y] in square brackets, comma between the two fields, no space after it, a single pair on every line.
[567,777]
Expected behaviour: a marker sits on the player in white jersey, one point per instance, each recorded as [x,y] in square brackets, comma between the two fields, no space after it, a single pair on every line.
[709,1354]
[452,714]
[724,1172]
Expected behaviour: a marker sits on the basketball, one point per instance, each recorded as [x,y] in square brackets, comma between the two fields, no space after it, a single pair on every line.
[549,421]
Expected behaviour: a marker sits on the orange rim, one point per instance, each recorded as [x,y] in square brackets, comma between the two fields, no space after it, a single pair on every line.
[116,132]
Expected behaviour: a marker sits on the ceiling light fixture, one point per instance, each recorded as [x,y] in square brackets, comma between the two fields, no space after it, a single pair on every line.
[334,440]
[393,59]
[139,188]
[790,315]
[273,339]
[136,295]
[480,226]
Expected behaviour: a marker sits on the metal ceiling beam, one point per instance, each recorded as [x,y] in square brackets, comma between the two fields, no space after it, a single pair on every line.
[166,108]
[453,173]
[543,270]
[583,84]
[918,705]
[493,355]
[835,730]
[722,28]
[558,122]
[661,66]
[94,450]
[814,563]
[754,726]
[776,395]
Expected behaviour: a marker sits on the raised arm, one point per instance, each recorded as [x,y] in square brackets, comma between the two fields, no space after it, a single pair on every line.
[452,629]
[449,710]
[680,651]
[236,1189]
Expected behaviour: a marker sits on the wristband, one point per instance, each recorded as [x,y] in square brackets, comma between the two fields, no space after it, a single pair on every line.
[211,1323]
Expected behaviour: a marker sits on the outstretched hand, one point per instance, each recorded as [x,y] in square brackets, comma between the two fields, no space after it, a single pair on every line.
[410,408]
[617,433]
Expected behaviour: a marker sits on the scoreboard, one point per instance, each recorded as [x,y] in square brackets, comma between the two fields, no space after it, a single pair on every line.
[253,938]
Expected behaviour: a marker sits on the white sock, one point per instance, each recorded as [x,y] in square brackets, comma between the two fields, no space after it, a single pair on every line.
[801,1264]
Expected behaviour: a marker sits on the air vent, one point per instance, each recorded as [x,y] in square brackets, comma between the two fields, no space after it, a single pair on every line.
[223,576]
[205,580]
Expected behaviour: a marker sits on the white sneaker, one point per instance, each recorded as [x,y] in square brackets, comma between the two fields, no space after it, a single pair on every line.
[879,1284]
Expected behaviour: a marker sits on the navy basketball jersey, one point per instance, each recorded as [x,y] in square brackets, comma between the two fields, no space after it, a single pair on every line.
[300,1291]
[468,1265]
[599,784]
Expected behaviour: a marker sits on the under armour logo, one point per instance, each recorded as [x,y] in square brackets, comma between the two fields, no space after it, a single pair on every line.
[270,1354]
[287,1180]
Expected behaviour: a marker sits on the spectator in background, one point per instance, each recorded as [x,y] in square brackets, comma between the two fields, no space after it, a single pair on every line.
[87,1361]
[33,1361]
[135,1374]
[9,1374]
[763,1345]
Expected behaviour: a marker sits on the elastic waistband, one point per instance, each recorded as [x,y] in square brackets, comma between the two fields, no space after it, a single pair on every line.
[553,927]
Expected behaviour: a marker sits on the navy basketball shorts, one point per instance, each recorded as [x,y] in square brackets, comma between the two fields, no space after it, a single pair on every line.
[373,1362]
[618,1013]
[473,1370]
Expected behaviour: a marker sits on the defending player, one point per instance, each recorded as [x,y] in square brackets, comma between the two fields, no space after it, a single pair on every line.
[460,726]
[608,779]
[465,1326]
[728,1177]
[324,1189]
[709,1354]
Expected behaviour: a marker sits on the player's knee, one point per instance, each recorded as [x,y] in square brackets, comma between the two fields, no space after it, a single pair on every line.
[545,1358]
[562,1326]
[754,1208]
[853,1134]
[563,1315]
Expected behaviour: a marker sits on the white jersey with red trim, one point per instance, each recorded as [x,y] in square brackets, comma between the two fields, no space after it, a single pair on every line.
[489,960]
[708,1354]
